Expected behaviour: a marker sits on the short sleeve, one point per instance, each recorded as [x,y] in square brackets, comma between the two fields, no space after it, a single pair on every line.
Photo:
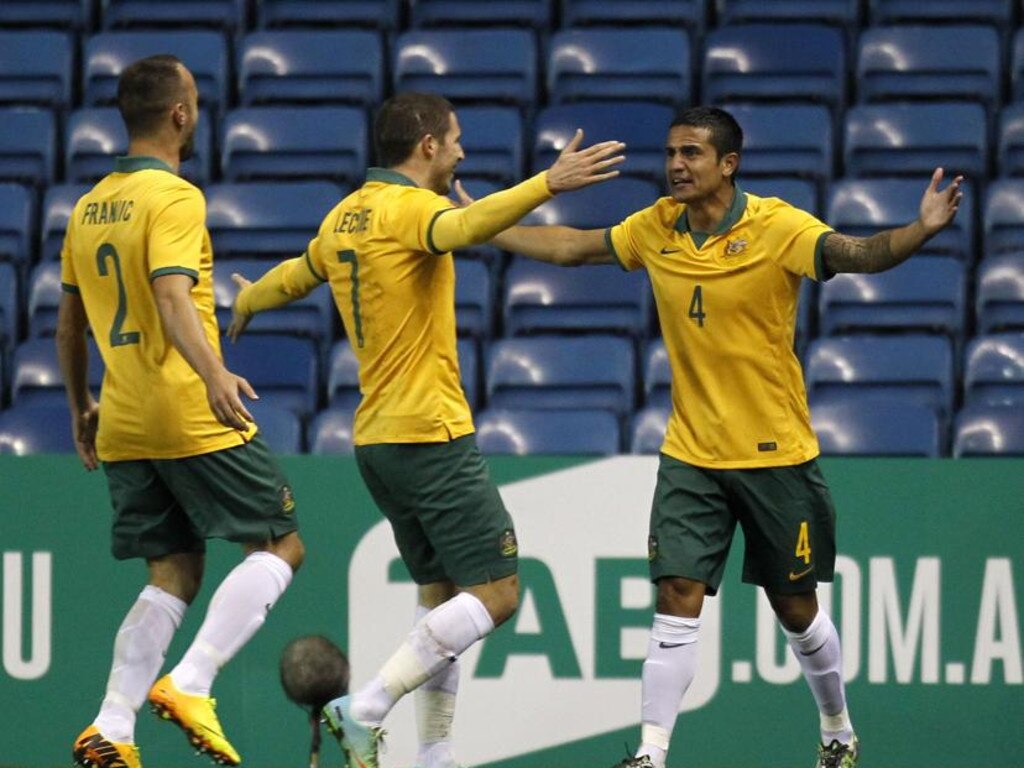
[68,279]
[176,235]
[798,237]
[625,240]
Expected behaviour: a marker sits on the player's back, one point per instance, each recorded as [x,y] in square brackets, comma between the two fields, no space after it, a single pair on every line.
[138,223]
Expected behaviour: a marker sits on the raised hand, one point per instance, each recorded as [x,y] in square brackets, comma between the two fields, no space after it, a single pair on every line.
[576,168]
[938,207]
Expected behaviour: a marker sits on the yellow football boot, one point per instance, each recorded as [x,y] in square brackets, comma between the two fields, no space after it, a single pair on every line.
[196,716]
[93,750]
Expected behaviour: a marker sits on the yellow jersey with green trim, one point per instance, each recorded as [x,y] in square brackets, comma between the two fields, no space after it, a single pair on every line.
[727,304]
[396,296]
[138,223]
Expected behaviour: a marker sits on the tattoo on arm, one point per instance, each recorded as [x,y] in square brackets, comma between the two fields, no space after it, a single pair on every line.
[844,253]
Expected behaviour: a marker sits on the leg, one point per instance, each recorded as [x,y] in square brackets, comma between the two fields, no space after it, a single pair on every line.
[815,643]
[435,699]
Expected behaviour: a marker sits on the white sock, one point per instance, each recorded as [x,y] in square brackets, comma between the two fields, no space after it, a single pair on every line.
[139,651]
[434,643]
[435,710]
[817,650]
[237,610]
[668,671]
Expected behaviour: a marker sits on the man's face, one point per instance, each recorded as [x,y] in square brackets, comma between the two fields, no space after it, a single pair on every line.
[448,155]
[191,113]
[693,170]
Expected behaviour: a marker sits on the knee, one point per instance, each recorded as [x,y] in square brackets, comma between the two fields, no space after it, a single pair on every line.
[501,598]
[795,612]
[180,575]
[289,548]
[680,597]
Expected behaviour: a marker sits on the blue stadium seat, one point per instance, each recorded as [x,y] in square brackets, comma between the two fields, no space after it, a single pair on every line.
[542,298]
[806,315]
[1003,217]
[481,65]
[648,430]
[492,138]
[283,370]
[799,193]
[839,12]
[230,15]
[1010,141]
[343,378]
[1017,68]
[657,376]
[469,370]
[913,62]
[17,223]
[294,143]
[997,12]
[863,207]
[380,14]
[994,370]
[866,369]
[311,317]
[454,13]
[904,139]
[44,293]
[331,432]
[36,377]
[646,64]
[999,305]
[35,68]
[27,146]
[58,202]
[66,14]
[9,310]
[642,126]
[927,295]
[887,428]
[545,373]
[317,67]
[775,62]
[982,430]
[280,428]
[108,53]
[667,13]
[474,299]
[785,140]
[96,135]
[597,206]
[36,429]
[526,433]
[267,219]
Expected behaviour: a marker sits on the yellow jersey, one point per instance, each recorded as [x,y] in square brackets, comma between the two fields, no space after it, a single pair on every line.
[138,223]
[396,296]
[727,305]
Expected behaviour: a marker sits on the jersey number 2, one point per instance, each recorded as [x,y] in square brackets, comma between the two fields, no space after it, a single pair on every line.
[349,257]
[118,336]
[697,306]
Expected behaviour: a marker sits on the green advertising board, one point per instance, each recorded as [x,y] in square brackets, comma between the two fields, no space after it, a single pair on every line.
[927,602]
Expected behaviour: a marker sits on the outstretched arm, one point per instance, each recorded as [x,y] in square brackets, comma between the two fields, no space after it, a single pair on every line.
[885,250]
[290,280]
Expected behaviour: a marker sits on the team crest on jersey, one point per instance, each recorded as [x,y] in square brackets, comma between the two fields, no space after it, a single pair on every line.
[507,544]
[652,548]
[735,247]
[287,499]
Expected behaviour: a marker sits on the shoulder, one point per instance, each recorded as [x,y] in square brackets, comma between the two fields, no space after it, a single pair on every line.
[662,214]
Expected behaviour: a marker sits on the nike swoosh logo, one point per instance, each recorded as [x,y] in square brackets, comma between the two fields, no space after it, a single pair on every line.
[670,645]
[670,250]
[798,576]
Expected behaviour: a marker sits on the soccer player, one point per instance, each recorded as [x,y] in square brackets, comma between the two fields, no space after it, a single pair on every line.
[182,456]
[385,250]
[725,267]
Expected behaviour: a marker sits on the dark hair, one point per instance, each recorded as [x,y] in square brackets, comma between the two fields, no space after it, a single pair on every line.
[726,134]
[146,89]
[406,118]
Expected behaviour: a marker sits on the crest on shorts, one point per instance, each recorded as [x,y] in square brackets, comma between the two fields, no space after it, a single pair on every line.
[507,544]
[287,499]
[735,247]
[652,548]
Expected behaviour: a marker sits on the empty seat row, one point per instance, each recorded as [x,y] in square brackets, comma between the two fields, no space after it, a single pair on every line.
[753,62]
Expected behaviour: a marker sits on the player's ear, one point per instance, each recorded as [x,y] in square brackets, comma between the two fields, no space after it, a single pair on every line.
[730,164]
[428,145]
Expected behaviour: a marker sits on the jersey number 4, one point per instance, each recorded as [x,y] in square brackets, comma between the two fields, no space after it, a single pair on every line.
[118,336]
[697,306]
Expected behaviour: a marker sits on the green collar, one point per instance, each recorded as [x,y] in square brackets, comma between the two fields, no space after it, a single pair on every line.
[387,176]
[132,163]
[739,204]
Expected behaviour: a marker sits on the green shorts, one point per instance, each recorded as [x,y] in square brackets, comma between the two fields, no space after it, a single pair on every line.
[786,513]
[447,516]
[167,506]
